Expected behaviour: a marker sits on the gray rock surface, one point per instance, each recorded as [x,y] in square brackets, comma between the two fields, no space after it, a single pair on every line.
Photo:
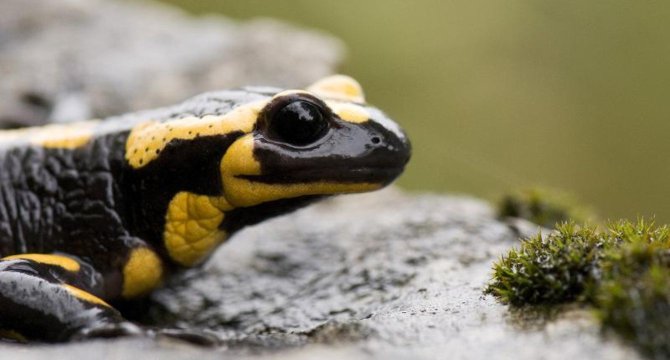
[385,275]
[76,59]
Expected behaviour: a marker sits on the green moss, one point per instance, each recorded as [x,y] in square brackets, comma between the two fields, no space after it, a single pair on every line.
[544,207]
[633,295]
[549,270]
[623,271]
[639,310]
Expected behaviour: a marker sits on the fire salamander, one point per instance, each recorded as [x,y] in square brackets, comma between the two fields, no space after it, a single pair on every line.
[95,212]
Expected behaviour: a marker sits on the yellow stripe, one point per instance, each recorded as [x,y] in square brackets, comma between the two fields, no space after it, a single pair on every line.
[83,295]
[239,160]
[148,139]
[243,193]
[62,136]
[65,262]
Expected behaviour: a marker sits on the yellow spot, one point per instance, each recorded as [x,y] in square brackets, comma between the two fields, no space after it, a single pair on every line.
[65,262]
[57,136]
[338,87]
[239,159]
[142,273]
[148,139]
[192,226]
[349,112]
[84,295]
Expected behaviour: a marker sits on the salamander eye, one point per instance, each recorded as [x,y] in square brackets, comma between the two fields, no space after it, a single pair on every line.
[300,122]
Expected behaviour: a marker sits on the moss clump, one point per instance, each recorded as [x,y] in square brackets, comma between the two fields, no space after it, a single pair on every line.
[548,270]
[544,207]
[623,271]
[639,310]
[633,295]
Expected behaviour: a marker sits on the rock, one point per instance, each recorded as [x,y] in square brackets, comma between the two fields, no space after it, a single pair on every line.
[384,275]
[387,274]
[78,59]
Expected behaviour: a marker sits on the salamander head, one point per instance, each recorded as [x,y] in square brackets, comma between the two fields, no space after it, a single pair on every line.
[321,141]
[204,169]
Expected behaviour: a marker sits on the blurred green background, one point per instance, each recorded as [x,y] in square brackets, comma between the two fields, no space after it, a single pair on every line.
[498,95]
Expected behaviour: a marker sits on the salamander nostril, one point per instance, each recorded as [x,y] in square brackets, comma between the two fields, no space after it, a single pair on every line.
[376,140]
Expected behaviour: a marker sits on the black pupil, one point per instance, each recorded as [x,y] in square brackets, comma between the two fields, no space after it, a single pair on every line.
[299,123]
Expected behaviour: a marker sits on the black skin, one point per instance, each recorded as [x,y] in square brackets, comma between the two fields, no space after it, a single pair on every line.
[89,204]
[30,315]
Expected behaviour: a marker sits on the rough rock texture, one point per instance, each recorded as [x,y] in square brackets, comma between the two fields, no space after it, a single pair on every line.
[378,276]
[384,275]
[75,59]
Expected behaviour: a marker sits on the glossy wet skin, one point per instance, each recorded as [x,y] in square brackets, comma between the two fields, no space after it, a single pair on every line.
[338,150]
[303,144]
[108,209]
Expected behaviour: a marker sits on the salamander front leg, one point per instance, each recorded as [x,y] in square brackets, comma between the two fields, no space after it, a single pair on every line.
[46,297]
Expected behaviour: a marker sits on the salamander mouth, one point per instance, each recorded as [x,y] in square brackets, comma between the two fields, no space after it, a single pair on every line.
[381,175]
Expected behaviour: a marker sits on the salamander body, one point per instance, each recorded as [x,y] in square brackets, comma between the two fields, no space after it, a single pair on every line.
[98,211]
